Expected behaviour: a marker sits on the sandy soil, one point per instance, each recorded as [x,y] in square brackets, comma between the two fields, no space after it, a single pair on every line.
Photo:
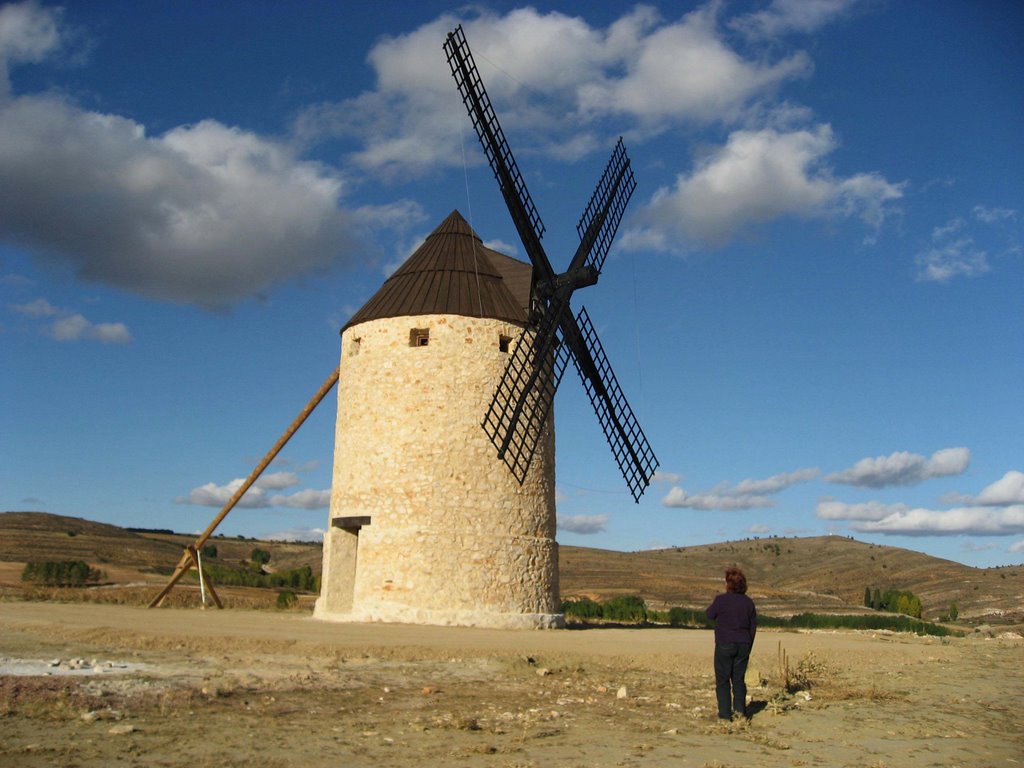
[174,687]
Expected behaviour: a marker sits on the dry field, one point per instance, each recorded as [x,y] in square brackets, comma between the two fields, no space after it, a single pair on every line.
[186,687]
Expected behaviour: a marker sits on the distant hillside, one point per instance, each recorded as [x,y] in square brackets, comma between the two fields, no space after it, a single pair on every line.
[786,575]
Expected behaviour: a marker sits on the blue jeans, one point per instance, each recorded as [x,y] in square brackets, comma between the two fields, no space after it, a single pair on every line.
[730,668]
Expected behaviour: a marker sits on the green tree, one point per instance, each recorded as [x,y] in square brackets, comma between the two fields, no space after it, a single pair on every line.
[260,556]
[867,597]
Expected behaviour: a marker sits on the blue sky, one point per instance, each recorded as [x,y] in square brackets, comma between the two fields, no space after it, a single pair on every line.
[814,303]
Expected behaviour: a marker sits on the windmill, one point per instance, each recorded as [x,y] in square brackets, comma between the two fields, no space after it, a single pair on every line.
[522,401]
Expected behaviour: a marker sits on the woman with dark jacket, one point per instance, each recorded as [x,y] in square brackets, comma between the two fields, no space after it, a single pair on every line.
[735,626]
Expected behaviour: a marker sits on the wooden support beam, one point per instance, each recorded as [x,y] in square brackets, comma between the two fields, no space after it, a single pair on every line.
[188,559]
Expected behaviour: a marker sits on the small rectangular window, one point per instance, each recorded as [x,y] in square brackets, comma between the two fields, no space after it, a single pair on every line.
[419,337]
[503,342]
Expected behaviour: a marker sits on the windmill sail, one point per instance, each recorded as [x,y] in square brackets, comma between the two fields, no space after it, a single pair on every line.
[628,442]
[518,413]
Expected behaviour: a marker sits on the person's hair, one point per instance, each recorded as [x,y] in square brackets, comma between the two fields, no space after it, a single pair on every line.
[735,581]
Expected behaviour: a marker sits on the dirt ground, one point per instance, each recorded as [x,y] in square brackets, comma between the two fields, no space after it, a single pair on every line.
[100,685]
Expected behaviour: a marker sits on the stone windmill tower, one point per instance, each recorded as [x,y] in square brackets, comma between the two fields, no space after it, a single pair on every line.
[427,525]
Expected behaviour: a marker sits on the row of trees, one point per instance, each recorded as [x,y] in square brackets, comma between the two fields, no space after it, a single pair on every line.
[633,610]
[302,579]
[62,573]
[894,601]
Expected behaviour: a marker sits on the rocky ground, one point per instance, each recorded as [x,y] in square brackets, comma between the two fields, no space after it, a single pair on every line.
[99,685]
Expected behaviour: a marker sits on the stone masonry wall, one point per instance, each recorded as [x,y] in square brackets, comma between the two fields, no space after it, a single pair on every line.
[453,538]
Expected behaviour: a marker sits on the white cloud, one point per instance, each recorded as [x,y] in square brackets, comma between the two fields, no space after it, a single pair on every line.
[978,521]
[76,327]
[72,326]
[758,176]
[37,308]
[205,213]
[775,483]
[952,253]
[684,71]
[830,509]
[296,534]
[1008,489]
[784,16]
[305,499]
[759,528]
[553,79]
[584,524]
[277,481]
[677,497]
[665,477]
[903,468]
[1017,546]
[213,495]
[28,33]
[746,494]
[992,215]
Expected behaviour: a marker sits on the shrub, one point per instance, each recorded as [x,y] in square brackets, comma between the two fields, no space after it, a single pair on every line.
[260,556]
[63,573]
[286,599]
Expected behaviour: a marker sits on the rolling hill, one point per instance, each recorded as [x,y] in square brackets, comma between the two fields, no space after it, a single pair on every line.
[786,575]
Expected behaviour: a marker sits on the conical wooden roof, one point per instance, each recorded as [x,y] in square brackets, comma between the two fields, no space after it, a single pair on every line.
[453,273]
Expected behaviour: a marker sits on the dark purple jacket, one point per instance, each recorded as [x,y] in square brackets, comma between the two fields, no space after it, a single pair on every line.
[735,618]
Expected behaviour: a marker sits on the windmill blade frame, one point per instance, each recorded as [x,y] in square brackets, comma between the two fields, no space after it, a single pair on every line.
[518,413]
[519,410]
[629,444]
[600,220]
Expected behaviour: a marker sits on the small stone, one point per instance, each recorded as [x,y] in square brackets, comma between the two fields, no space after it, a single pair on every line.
[622,693]
[54,662]
[121,730]
[543,671]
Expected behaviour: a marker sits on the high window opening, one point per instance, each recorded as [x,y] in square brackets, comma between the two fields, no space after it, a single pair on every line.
[419,337]
[503,342]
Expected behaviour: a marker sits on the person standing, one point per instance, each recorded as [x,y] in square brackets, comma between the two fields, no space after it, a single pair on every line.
[735,620]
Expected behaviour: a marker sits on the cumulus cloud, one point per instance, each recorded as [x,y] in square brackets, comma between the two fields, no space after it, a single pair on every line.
[213,495]
[903,468]
[28,33]
[205,213]
[66,325]
[276,481]
[785,16]
[553,78]
[584,524]
[1017,546]
[75,327]
[758,176]
[997,511]
[257,497]
[952,252]
[1009,489]
[296,534]
[977,521]
[305,499]
[831,509]
[677,497]
[746,494]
